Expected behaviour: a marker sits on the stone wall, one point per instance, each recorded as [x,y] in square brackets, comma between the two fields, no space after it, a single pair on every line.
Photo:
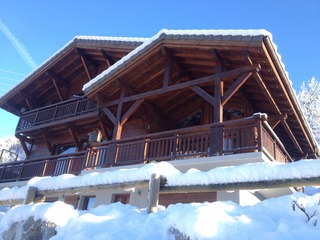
[30,230]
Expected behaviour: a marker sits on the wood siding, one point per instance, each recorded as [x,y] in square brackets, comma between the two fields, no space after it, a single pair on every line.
[173,198]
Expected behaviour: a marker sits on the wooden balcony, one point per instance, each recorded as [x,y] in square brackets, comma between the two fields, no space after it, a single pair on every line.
[56,112]
[234,137]
[49,166]
[241,136]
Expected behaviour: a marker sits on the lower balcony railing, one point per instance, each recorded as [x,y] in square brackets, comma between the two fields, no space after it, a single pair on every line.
[50,166]
[240,136]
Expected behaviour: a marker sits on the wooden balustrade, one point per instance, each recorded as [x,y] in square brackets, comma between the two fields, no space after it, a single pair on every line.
[240,136]
[51,166]
[55,112]
[245,135]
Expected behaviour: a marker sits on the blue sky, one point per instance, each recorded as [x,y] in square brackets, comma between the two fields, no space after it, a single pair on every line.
[31,31]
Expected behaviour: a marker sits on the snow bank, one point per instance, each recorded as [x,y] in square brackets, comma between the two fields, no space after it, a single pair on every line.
[270,219]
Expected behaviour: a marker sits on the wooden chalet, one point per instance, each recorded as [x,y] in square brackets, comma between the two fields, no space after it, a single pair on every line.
[181,95]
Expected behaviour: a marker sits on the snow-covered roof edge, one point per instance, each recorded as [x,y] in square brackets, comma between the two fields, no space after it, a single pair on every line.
[160,35]
[288,85]
[66,47]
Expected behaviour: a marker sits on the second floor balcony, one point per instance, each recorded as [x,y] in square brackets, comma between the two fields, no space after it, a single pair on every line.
[52,114]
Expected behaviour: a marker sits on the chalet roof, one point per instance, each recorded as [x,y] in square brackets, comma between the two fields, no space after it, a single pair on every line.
[93,42]
[200,35]
[257,42]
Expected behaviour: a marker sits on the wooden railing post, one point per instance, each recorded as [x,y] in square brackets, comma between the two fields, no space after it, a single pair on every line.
[145,147]
[112,153]
[216,140]
[175,146]
[154,190]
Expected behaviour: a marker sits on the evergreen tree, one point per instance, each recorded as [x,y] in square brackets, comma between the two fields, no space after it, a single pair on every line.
[309,98]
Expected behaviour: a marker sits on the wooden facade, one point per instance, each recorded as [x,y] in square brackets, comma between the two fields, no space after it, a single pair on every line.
[176,96]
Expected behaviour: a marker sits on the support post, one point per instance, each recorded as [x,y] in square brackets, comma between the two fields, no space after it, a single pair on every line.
[154,190]
[31,195]
[216,140]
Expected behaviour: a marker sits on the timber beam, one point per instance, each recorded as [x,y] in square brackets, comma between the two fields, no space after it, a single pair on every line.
[266,92]
[23,144]
[202,93]
[196,82]
[31,101]
[46,140]
[276,108]
[57,82]
[63,82]
[110,60]
[86,61]
[235,87]
[73,134]
[150,106]
[291,135]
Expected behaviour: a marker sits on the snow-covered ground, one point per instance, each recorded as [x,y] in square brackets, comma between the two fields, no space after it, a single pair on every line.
[270,219]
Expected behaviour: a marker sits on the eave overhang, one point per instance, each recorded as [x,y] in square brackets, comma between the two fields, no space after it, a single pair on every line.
[92,42]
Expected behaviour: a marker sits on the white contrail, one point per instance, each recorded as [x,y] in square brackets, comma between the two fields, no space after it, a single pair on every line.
[20,48]
[15,73]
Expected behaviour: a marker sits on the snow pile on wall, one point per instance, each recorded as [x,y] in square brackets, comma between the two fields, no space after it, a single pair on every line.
[243,173]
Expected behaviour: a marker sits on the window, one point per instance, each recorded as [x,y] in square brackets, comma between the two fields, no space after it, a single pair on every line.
[123,198]
[65,149]
[88,202]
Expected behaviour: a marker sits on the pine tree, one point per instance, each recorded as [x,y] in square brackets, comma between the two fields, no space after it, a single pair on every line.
[309,98]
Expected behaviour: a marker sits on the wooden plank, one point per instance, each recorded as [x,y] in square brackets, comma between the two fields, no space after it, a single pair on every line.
[167,69]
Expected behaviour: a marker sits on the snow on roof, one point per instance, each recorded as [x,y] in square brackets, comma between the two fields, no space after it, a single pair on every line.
[199,34]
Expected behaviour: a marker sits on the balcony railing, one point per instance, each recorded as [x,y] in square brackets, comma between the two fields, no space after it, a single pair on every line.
[241,136]
[50,166]
[56,112]
[246,135]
